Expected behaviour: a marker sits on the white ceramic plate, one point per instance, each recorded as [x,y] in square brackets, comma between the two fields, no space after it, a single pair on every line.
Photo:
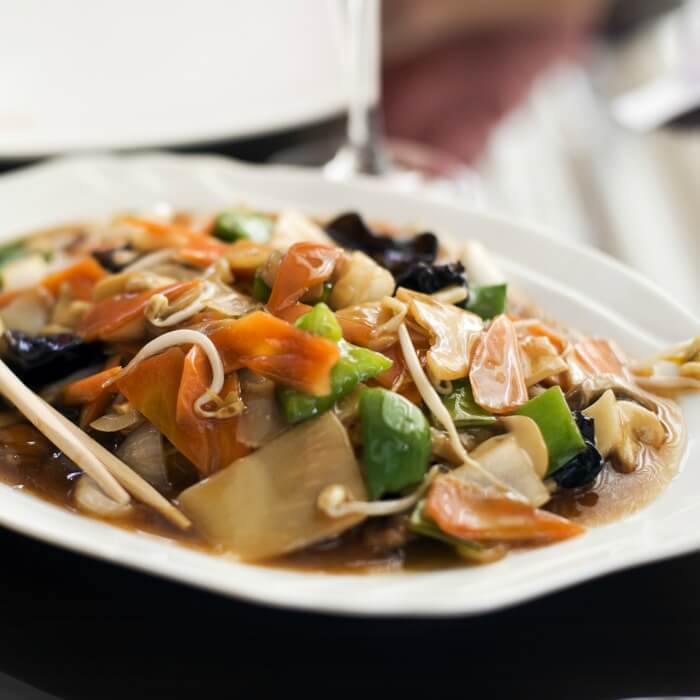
[581,286]
[79,74]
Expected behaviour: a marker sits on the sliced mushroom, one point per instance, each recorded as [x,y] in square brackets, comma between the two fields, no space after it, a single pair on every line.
[639,427]
[608,425]
[529,438]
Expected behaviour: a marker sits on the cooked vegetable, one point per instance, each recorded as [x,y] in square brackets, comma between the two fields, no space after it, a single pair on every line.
[487,302]
[321,321]
[303,266]
[639,427]
[261,292]
[10,252]
[477,552]
[164,389]
[295,394]
[122,317]
[142,450]
[277,350]
[529,437]
[465,412]
[554,418]
[261,420]
[451,330]
[584,467]
[607,422]
[429,279]
[395,254]
[496,373]
[91,499]
[234,225]
[80,279]
[395,442]
[469,512]
[40,359]
[504,458]
[266,504]
[114,259]
[23,273]
[354,365]
[25,311]
[359,279]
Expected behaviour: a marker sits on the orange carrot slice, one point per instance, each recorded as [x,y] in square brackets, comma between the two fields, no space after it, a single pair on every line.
[467,512]
[496,373]
[107,317]
[164,388]
[303,266]
[91,388]
[81,278]
[276,349]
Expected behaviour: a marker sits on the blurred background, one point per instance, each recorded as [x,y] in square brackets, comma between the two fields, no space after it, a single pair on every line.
[578,115]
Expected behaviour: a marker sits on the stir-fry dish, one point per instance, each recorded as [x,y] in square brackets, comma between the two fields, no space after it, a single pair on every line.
[335,394]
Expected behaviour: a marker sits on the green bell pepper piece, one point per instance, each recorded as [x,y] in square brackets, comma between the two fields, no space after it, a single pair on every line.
[355,365]
[396,442]
[559,430]
[321,321]
[465,412]
[11,251]
[261,292]
[487,302]
[235,225]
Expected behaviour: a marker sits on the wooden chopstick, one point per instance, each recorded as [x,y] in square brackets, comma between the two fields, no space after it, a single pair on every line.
[94,459]
[53,425]
[136,485]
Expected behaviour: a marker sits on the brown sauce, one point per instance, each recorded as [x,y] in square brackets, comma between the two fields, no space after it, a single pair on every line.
[34,465]
[614,494]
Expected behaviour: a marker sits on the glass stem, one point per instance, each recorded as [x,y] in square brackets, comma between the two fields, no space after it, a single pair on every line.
[362,152]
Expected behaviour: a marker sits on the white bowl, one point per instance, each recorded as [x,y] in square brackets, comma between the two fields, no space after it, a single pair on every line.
[581,286]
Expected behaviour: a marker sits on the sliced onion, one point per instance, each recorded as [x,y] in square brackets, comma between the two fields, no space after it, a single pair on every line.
[113,422]
[261,420]
[143,452]
[91,499]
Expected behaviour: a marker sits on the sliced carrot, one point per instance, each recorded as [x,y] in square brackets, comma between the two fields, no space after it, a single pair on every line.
[467,512]
[202,253]
[303,266]
[276,349]
[108,317]
[90,388]
[292,313]
[392,377]
[496,374]
[81,278]
[8,297]
[599,356]
[194,247]
[164,388]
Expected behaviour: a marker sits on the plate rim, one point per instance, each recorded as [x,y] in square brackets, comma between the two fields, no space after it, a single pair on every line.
[84,543]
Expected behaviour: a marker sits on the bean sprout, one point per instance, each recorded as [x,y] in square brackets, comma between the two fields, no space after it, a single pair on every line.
[439,410]
[184,337]
[335,501]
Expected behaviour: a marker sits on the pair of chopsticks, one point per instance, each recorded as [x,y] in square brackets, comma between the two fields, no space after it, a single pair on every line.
[112,475]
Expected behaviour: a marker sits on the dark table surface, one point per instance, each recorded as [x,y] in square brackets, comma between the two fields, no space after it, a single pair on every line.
[77,628]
